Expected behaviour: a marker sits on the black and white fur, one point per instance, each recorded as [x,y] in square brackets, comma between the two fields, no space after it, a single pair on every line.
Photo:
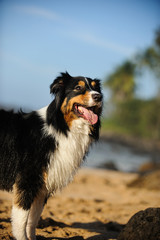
[41,151]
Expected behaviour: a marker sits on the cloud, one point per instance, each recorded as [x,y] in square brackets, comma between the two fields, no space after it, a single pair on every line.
[81,35]
[37,11]
[103,43]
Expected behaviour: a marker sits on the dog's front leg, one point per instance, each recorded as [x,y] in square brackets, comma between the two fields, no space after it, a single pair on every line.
[19,222]
[34,215]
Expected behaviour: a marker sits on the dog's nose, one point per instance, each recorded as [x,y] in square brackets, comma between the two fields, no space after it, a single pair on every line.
[97,97]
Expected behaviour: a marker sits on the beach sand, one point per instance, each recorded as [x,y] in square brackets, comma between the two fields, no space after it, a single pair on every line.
[95,206]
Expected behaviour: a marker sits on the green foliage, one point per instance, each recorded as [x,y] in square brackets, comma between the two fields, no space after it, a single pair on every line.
[112,125]
[150,57]
[157,38]
[136,118]
[141,117]
[133,116]
[121,82]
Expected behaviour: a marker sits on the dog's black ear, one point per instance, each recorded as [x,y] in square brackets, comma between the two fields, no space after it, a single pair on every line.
[59,83]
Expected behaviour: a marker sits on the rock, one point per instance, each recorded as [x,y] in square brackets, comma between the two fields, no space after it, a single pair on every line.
[109,165]
[144,225]
[149,167]
[150,181]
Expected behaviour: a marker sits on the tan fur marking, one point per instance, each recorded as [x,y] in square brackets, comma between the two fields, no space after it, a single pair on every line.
[93,83]
[64,105]
[66,108]
[17,196]
[45,176]
[81,83]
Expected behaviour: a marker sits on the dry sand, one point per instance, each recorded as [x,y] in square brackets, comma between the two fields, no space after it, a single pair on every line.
[94,207]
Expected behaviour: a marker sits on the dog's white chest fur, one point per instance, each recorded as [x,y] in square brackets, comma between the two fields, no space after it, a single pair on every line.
[68,155]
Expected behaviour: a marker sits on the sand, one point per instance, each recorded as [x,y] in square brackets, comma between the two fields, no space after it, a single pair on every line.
[95,206]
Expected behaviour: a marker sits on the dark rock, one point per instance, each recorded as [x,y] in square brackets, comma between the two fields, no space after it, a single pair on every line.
[109,165]
[144,225]
[148,167]
[149,181]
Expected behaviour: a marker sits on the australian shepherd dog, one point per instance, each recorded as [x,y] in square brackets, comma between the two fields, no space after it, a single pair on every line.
[41,151]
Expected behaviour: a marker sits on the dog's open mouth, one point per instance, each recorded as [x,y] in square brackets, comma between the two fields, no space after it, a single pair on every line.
[86,112]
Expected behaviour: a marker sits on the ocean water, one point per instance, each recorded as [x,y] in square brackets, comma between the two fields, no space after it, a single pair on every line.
[124,158]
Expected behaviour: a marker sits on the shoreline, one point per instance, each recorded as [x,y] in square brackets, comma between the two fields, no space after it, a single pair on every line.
[138,144]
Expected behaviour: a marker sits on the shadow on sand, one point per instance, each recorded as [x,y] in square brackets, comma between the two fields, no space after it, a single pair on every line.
[104,231]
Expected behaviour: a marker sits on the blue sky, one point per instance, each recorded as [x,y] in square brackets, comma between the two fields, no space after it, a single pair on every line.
[40,38]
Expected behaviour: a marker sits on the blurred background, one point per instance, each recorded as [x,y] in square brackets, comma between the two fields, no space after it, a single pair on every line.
[116,41]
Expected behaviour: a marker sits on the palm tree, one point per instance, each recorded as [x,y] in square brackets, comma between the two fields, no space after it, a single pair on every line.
[121,82]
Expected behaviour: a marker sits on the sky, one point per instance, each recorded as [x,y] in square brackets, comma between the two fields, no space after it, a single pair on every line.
[41,38]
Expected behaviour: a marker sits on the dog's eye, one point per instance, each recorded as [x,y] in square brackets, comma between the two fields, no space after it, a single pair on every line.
[78,88]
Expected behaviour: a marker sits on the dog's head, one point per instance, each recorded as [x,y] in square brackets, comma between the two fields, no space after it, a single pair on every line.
[78,97]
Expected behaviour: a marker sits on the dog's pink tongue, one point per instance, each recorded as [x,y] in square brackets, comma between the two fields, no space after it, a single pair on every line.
[89,115]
